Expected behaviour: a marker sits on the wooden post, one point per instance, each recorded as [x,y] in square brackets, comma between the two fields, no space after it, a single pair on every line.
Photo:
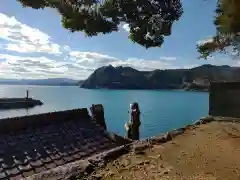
[132,128]
[97,111]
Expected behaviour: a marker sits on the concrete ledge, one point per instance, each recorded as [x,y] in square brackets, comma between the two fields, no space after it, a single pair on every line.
[64,172]
[116,152]
[227,119]
[206,119]
[81,168]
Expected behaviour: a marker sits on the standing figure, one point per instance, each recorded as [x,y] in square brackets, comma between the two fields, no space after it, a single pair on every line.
[27,94]
[134,123]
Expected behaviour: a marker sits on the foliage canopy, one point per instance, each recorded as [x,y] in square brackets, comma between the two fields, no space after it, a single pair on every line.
[149,20]
[227,22]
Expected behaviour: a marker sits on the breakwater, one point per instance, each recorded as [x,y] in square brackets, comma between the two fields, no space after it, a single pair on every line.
[18,103]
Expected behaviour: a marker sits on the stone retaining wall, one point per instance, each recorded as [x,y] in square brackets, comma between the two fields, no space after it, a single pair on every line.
[17,123]
[224,99]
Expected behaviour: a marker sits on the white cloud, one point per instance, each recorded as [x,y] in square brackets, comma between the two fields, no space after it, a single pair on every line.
[96,60]
[82,64]
[23,38]
[39,67]
[168,58]
[26,48]
[67,48]
[19,37]
[208,40]
[126,27]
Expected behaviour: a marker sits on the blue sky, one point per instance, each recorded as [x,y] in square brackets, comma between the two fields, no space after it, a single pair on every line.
[33,44]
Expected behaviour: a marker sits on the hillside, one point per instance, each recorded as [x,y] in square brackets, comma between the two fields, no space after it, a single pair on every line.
[44,82]
[109,77]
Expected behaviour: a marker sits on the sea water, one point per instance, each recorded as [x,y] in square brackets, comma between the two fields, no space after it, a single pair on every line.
[161,111]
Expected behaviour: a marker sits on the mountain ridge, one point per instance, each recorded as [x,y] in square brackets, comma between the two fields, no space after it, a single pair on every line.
[197,78]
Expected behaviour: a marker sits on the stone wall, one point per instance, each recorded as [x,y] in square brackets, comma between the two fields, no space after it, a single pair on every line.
[224,99]
[18,123]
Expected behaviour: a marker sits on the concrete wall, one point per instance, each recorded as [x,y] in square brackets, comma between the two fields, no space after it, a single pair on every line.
[17,123]
[224,99]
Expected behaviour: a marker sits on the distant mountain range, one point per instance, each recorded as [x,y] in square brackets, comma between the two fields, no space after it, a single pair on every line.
[109,77]
[43,82]
[198,78]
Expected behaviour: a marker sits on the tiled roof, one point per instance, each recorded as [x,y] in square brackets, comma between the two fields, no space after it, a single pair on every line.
[33,149]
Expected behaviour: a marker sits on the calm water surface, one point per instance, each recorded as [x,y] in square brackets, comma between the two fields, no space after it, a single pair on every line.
[161,110]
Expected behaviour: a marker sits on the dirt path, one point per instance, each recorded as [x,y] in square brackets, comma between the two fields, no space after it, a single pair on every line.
[208,152]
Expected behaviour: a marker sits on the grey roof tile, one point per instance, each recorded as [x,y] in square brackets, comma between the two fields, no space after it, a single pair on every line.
[76,156]
[25,168]
[28,173]
[37,163]
[55,156]
[59,162]
[34,149]
[50,165]
[46,160]
[12,172]
[68,159]
[3,175]
[40,169]
[17,177]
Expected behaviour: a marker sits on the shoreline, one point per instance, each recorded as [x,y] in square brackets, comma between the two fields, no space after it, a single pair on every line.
[179,89]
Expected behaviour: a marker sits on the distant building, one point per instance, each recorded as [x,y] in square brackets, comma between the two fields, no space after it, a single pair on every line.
[202,81]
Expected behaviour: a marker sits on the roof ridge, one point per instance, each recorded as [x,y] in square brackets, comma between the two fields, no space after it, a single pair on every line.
[39,120]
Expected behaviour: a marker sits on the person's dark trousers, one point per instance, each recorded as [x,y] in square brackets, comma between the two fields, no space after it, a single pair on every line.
[135,133]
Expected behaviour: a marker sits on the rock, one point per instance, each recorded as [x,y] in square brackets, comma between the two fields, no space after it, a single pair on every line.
[152,167]
[89,168]
[187,127]
[146,162]
[116,163]
[125,163]
[196,123]
[207,119]
[160,157]
[97,176]
[139,148]
[101,165]
[168,137]
[110,173]
[177,132]
[165,172]
[161,139]
[156,157]
[158,139]
[141,163]
[139,153]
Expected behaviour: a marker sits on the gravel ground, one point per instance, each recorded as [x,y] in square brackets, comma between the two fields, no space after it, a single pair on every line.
[207,152]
